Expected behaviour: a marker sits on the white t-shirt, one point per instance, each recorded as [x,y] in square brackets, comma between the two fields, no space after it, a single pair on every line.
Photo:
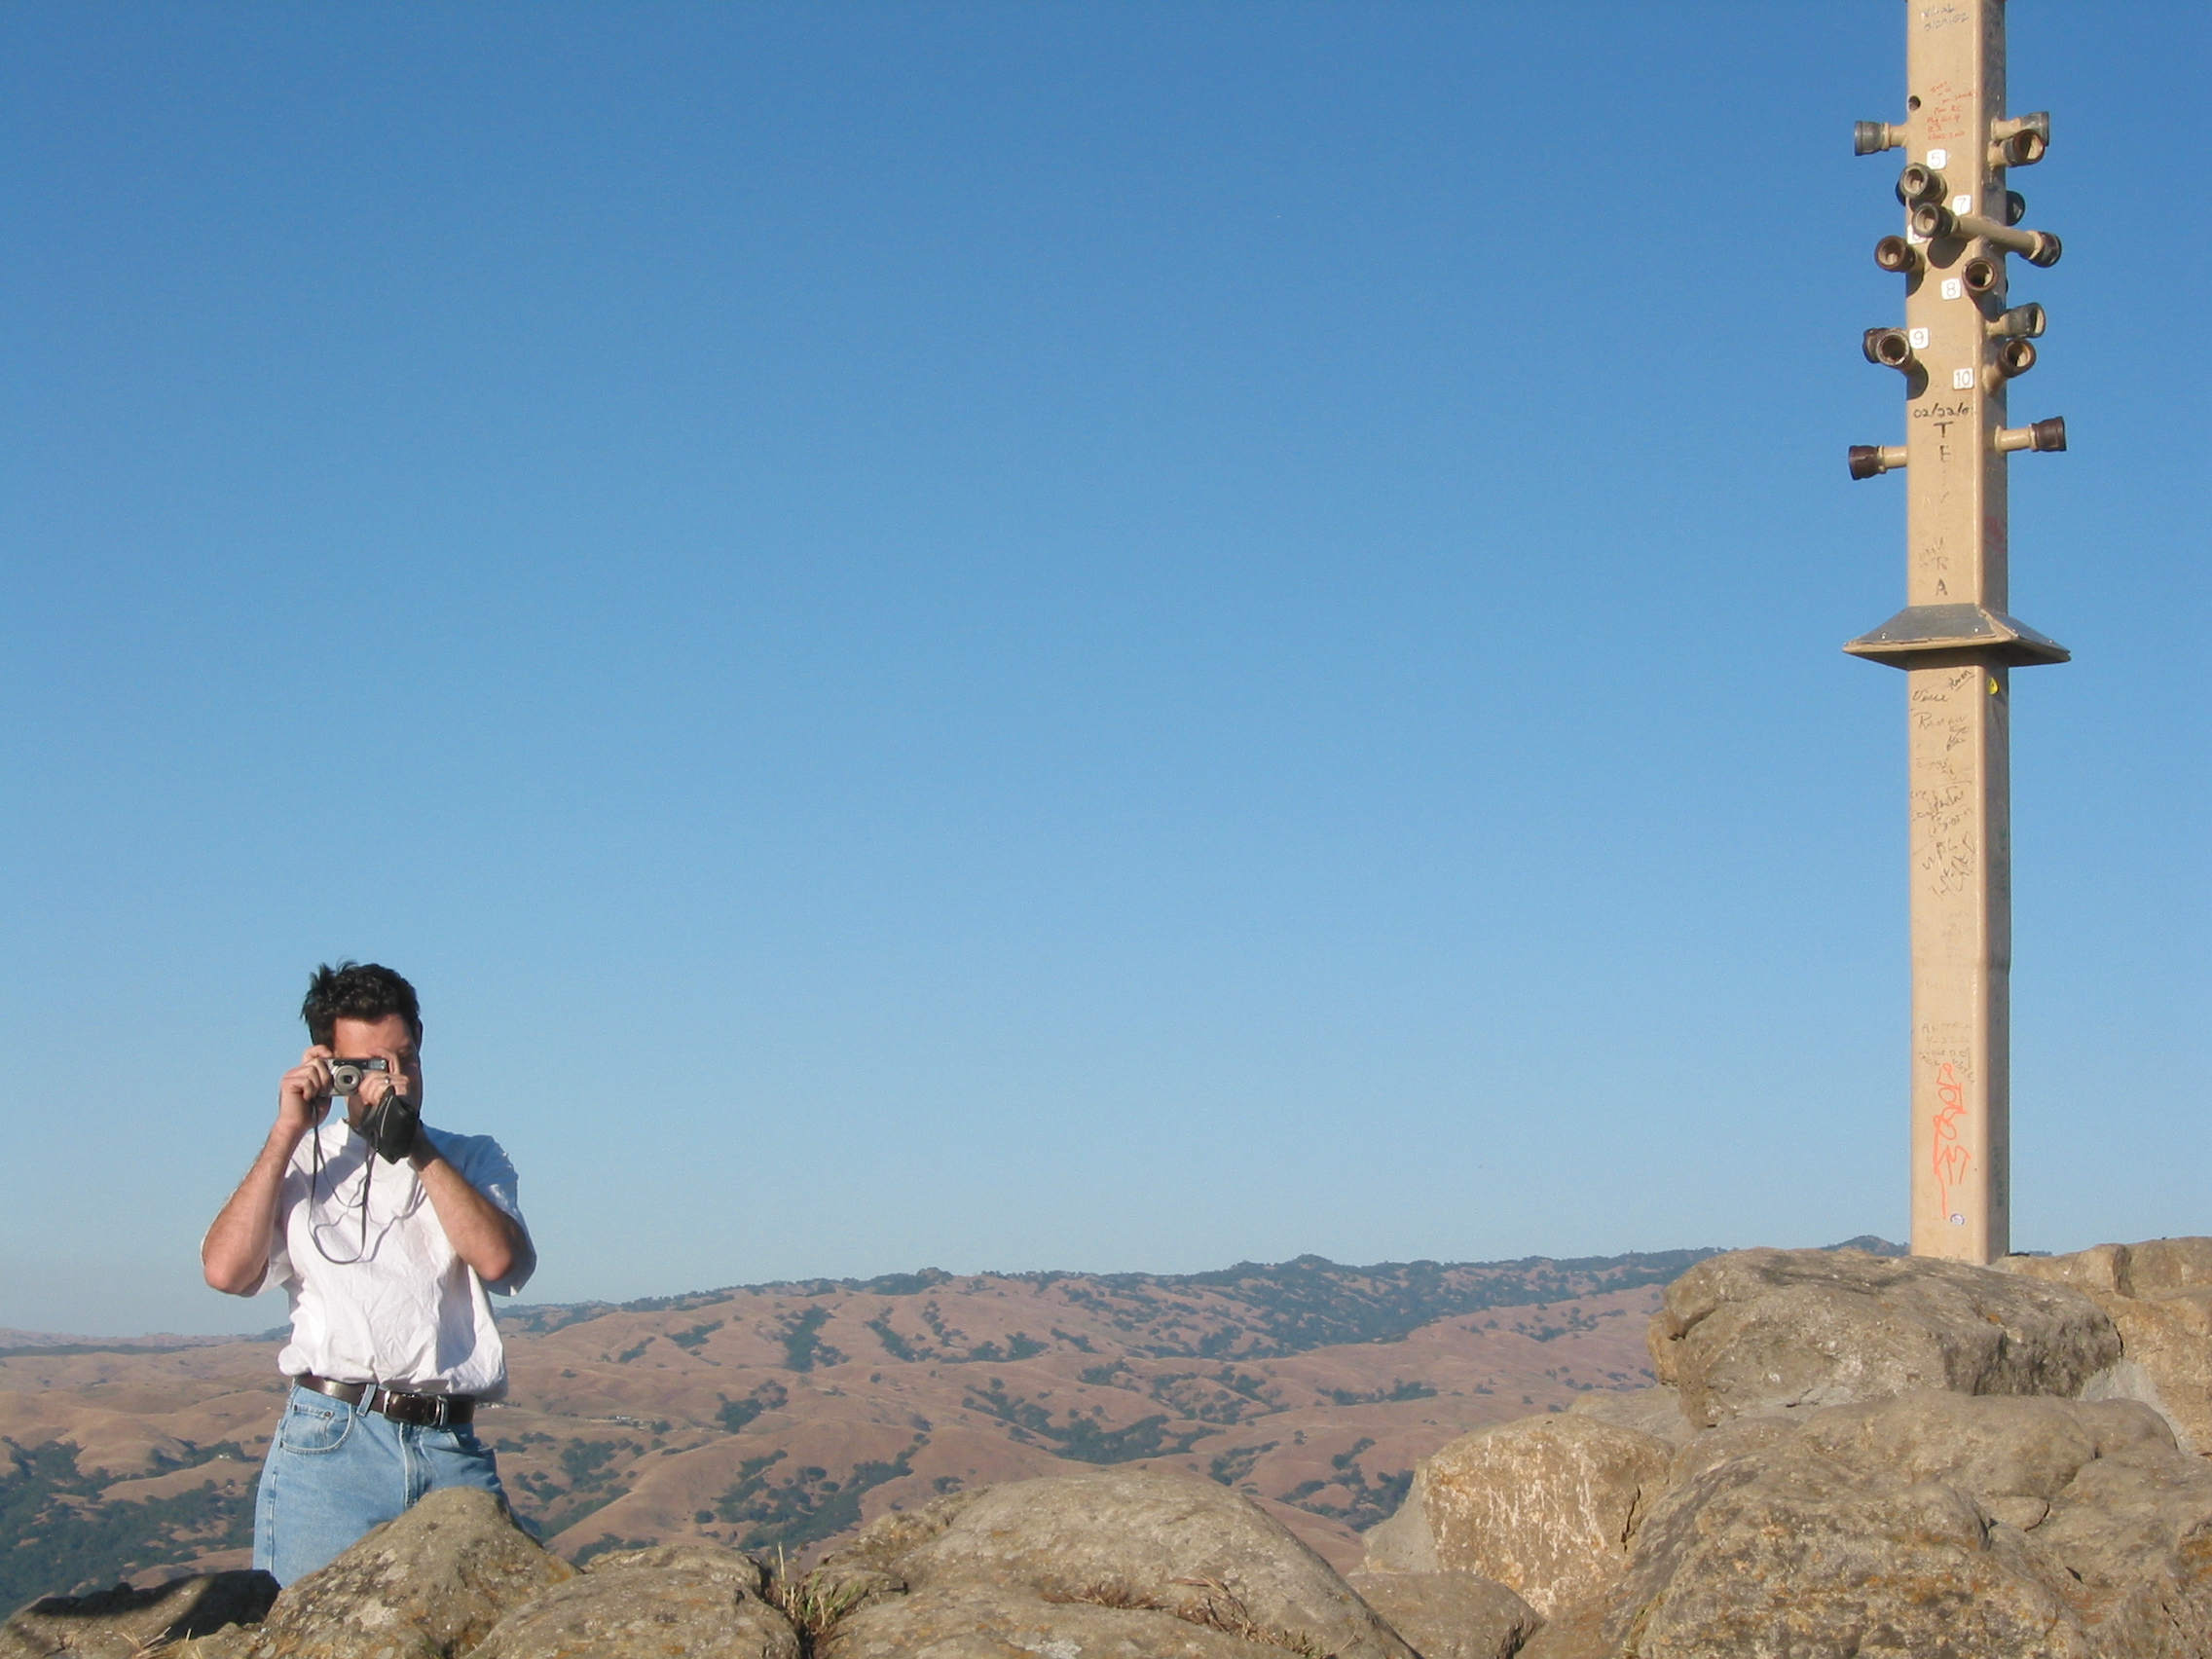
[404,1309]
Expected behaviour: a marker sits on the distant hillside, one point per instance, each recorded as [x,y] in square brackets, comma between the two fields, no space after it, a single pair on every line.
[1252,1310]
[779,1416]
[14,1342]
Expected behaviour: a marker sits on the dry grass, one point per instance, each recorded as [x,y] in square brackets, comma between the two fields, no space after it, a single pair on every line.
[811,1609]
[1216,1607]
[1117,1592]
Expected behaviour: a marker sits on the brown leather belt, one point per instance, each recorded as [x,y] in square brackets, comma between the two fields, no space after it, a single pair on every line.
[424,1411]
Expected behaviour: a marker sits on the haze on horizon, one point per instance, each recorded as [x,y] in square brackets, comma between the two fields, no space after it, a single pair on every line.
[1109,637]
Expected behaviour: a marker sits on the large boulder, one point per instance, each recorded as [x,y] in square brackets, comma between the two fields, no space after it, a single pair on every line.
[673,1599]
[123,1623]
[1404,1541]
[1656,1411]
[1936,1523]
[1577,1634]
[1738,1437]
[1115,1563]
[975,1621]
[1791,1554]
[2158,1297]
[429,1585]
[1545,1505]
[2013,1456]
[1758,1329]
[1449,1615]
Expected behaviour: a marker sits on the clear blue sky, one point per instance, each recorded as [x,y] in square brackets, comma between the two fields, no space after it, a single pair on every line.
[1099,636]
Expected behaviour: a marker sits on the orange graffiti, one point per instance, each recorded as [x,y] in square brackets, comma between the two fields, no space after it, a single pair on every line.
[1951,1158]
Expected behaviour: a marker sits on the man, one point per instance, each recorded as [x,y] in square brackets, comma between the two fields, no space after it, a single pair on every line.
[386,1265]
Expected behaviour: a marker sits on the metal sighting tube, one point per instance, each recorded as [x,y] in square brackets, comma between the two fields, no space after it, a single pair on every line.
[1955,640]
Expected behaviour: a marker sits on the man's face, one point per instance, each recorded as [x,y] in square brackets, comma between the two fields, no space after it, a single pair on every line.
[390,1038]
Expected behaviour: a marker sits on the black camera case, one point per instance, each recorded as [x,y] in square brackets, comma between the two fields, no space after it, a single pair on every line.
[389,1126]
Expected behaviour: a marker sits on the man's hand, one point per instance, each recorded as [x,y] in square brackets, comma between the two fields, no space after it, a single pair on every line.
[378,1086]
[303,1094]
[235,1254]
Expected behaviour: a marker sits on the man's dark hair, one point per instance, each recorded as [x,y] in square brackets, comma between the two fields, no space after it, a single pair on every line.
[356,990]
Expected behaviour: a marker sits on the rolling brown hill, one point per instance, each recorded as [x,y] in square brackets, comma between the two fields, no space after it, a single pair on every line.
[777,1417]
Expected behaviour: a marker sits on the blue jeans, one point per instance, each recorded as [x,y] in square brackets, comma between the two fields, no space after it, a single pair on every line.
[334,1472]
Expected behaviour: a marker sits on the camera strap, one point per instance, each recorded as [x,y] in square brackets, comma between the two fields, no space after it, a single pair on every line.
[314,1225]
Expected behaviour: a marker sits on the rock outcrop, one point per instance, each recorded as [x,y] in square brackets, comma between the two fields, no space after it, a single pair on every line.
[1546,1506]
[1656,1411]
[1449,1615]
[2158,1297]
[1117,1562]
[677,1599]
[123,1623]
[430,1585]
[1794,1329]
[1849,1457]
[1931,1522]
[1122,1564]
[1853,1454]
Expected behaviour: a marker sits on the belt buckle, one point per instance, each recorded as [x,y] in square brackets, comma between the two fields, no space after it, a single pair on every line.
[417,1410]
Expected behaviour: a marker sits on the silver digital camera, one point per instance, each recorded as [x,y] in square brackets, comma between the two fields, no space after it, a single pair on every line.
[346,1074]
[389,1126]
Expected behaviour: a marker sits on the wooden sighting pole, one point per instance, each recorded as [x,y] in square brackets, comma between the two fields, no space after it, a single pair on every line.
[1961,347]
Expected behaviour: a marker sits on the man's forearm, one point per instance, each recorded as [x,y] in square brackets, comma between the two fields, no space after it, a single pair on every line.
[481,1233]
[235,1255]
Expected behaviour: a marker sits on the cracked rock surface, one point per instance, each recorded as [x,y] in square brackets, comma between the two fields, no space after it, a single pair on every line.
[1113,1561]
